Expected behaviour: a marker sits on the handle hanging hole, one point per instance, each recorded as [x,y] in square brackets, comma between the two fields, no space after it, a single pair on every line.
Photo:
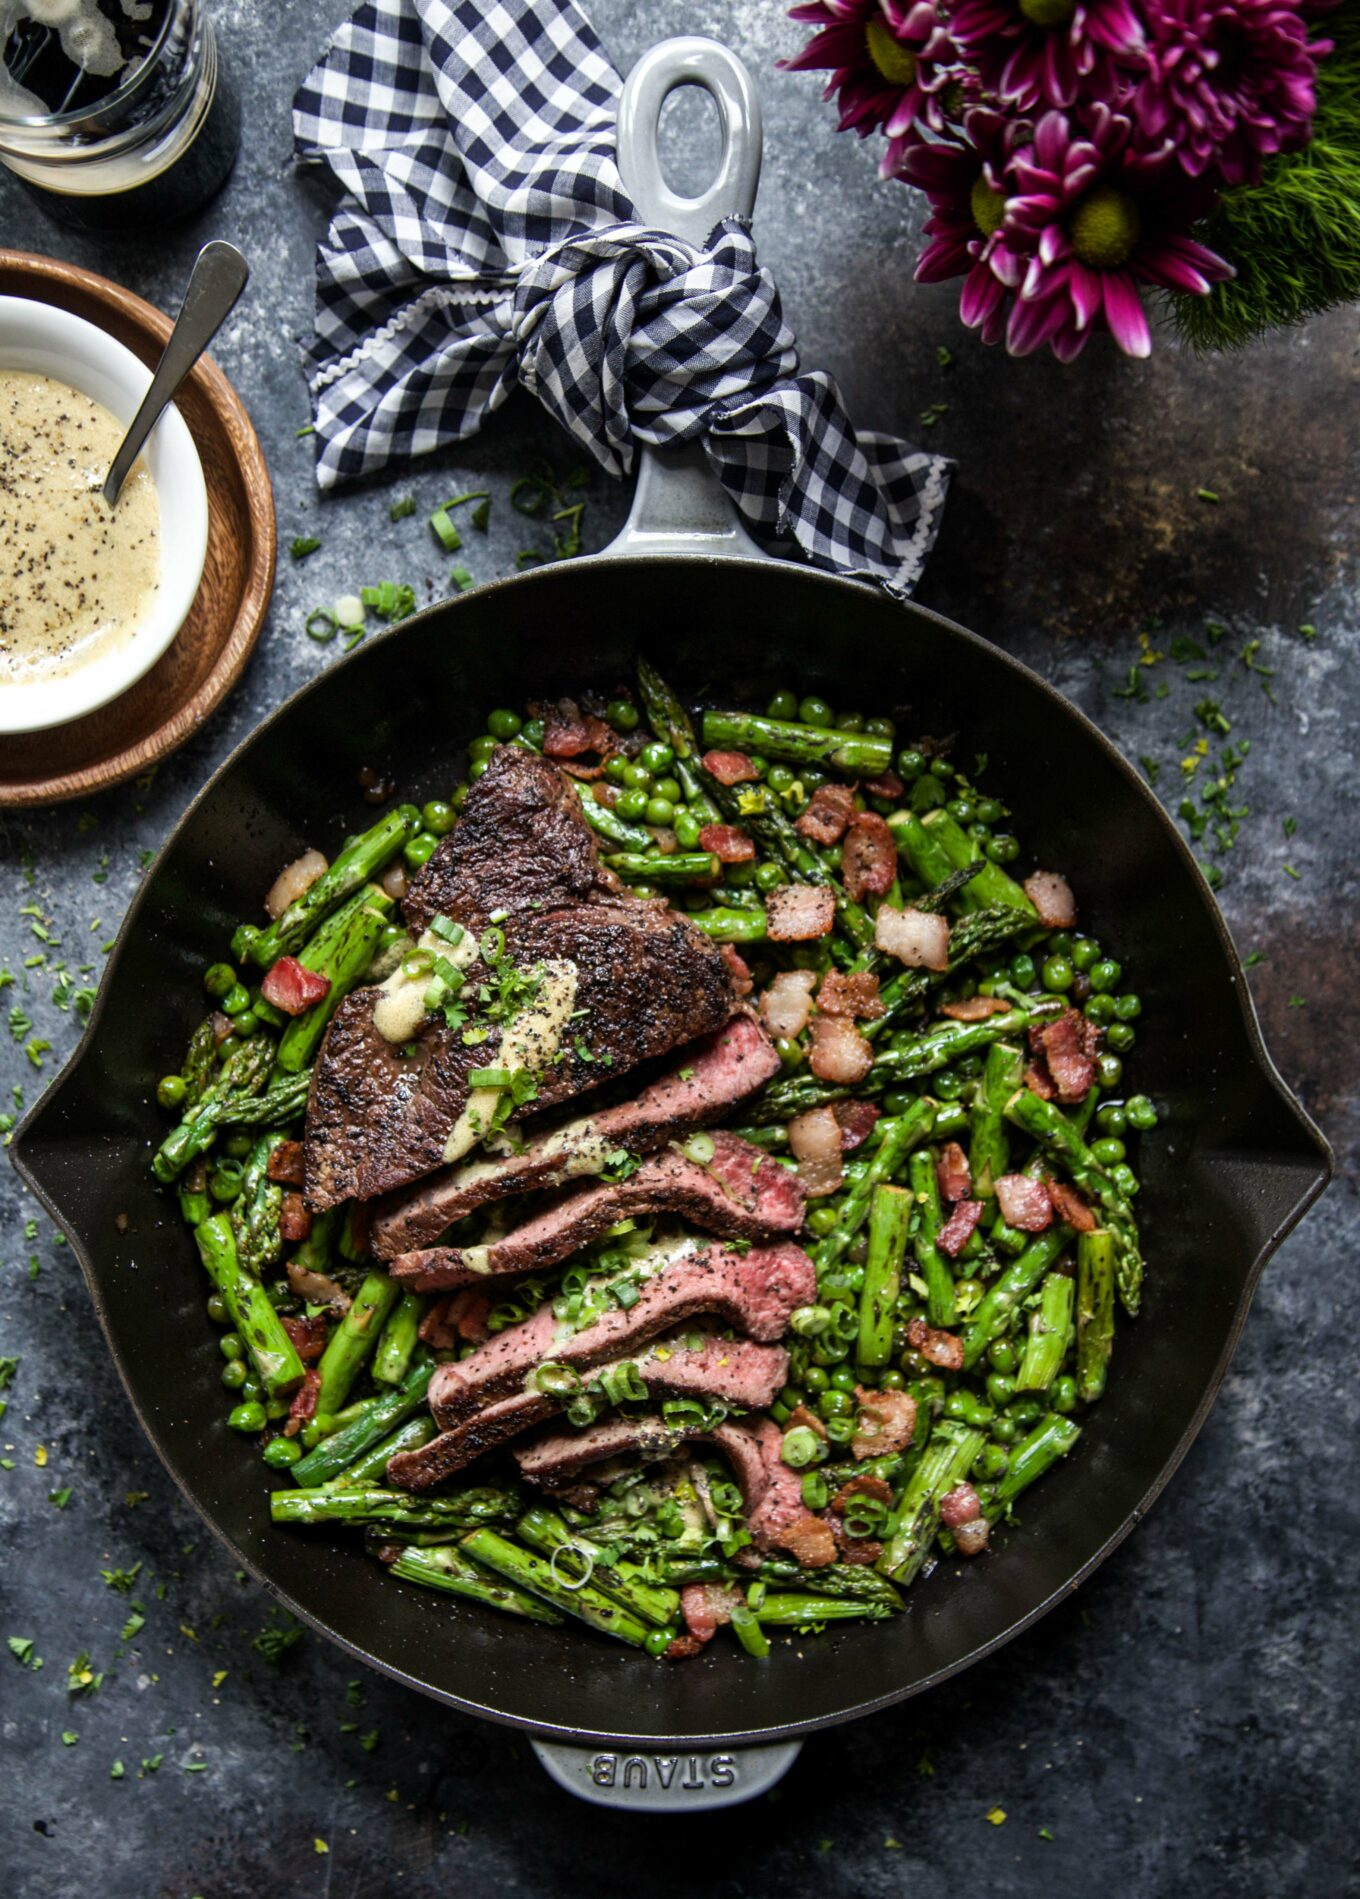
[689,140]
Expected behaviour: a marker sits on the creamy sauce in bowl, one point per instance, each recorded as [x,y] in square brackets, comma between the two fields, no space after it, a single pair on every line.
[77,578]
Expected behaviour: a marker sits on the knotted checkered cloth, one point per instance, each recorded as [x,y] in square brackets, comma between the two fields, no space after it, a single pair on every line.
[485,237]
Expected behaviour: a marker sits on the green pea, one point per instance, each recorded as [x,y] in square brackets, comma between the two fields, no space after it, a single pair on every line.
[482,747]
[968,1408]
[784,705]
[1003,1357]
[941,768]
[989,810]
[249,1417]
[813,711]
[1025,1411]
[217,1309]
[659,1640]
[219,979]
[503,723]
[1105,975]
[1003,848]
[990,1463]
[1000,1388]
[622,714]
[1108,1151]
[1099,1009]
[850,722]
[1022,971]
[236,1001]
[477,769]
[459,798]
[843,1379]
[815,1379]
[636,776]
[1109,1070]
[687,829]
[790,1052]
[948,1086]
[1062,1394]
[780,779]
[1085,953]
[769,876]
[834,1403]
[1004,1428]
[1121,1037]
[880,728]
[1125,1179]
[1057,974]
[237,1146]
[1128,1008]
[280,1452]
[1141,1112]
[1112,1118]
[656,756]
[437,817]
[962,809]
[910,764]
[171,1090]
[659,811]
[644,892]
[810,776]
[781,1412]
[897,1100]
[232,1345]
[252,1391]
[235,1373]
[740,876]
[631,804]
[669,788]
[892,1380]
[615,767]
[420,849]
[224,1183]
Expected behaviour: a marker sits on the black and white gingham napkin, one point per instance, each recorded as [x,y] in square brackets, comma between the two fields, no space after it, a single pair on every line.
[485,236]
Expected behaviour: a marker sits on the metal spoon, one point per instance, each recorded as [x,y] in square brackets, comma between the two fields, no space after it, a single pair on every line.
[218,278]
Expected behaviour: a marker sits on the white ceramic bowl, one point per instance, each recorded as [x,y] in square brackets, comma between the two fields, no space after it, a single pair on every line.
[45,341]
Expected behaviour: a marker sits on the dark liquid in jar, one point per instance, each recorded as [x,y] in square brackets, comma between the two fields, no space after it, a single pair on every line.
[46,62]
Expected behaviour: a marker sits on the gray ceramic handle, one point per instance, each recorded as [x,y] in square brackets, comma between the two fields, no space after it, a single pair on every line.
[679,506]
[687,1781]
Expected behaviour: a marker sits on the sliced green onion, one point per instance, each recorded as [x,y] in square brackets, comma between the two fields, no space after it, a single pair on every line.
[320,626]
[349,611]
[460,578]
[699,1148]
[400,510]
[488,1078]
[446,927]
[302,545]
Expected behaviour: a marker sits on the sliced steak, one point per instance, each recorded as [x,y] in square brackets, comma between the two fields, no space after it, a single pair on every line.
[755,1292]
[701,1088]
[739,1194]
[734,1371]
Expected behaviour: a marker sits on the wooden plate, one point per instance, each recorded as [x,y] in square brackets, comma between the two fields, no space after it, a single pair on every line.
[147,722]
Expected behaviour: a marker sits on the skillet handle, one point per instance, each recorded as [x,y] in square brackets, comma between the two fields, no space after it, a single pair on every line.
[666,1783]
[678,505]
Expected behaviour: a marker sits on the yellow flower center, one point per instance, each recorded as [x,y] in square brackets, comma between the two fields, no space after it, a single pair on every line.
[1105,227]
[897,63]
[988,206]
[1048,12]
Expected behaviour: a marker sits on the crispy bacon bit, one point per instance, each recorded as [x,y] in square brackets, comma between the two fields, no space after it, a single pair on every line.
[285,1164]
[319,1288]
[1052,897]
[684,1648]
[863,1486]
[728,844]
[868,858]
[786,1005]
[974,1008]
[295,1222]
[222,1026]
[799,913]
[801,1415]
[957,1230]
[944,1349]
[707,1607]
[1024,1203]
[292,988]
[953,1173]
[886,1422]
[888,785]
[829,810]
[960,1505]
[309,1336]
[303,1406]
[857,1120]
[1070,1207]
[809,1541]
[863,1552]
[839,1052]
[742,985]
[1040,1082]
[915,937]
[588,774]
[970,1539]
[816,1141]
[1068,1048]
[730,768]
[567,733]
[294,881]
[855,994]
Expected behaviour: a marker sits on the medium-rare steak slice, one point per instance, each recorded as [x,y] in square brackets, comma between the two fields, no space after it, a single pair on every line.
[521,843]
[755,1291]
[732,1371]
[703,1086]
[739,1193]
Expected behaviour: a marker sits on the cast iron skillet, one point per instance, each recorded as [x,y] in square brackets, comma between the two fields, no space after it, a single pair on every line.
[1231,1166]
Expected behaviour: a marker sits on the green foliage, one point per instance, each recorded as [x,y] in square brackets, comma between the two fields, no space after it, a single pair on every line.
[1294,239]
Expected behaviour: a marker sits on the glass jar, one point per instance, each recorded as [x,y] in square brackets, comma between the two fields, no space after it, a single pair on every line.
[114,113]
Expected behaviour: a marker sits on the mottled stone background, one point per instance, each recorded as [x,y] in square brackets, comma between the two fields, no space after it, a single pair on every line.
[1186,1724]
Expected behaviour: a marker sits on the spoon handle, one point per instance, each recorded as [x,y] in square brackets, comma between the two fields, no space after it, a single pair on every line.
[219,276]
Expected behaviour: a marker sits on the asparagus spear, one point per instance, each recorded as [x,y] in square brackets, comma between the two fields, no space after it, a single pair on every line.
[356,864]
[371,1469]
[947,1461]
[889,1225]
[1050,1126]
[448,1569]
[354,1338]
[200,1062]
[991,884]
[1052,1437]
[272,1353]
[1050,1334]
[988,1148]
[398,1342]
[1095,1311]
[341,950]
[378,1416]
[457,1507]
[970,936]
[935,1268]
[924,854]
[537,1574]
[853,1580]
[255,1211]
[897,1138]
[194,1205]
[603,819]
[546,1532]
[730,926]
[650,867]
[240,1078]
[860,754]
[797,1611]
[992,1313]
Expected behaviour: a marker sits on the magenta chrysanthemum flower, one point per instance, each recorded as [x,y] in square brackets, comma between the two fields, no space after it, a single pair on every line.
[888,62]
[1096,216]
[1033,53]
[1229,82]
[967,191]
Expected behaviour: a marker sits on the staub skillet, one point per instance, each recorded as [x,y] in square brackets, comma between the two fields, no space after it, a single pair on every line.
[1230,1168]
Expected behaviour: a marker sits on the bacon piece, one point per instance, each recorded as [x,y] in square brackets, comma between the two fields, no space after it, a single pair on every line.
[953,1173]
[222,1026]
[1052,897]
[1024,1203]
[1069,1206]
[295,1222]
[568,733]
[684,1648]
[1068,1047]
[855,994]
[816,1141]
[786,1005]
[294,881]
[960,1505]
[317,1287]
[727,843]
[303,1407]
[742,985]
[292,988]
[917,938]
[730,768]
[886,785]
[829,810]
[308,1336]
[974,1008]
[809,1419]
[1040,1082]
[944,1349]
[868,858]
[957,1230]
[285,1164]
[861,1551]
[885,1424]
[707,1607]
[799,913]
[864,1485]
[839,1052]
[970,1539]
[808,1540]
[857,1120]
